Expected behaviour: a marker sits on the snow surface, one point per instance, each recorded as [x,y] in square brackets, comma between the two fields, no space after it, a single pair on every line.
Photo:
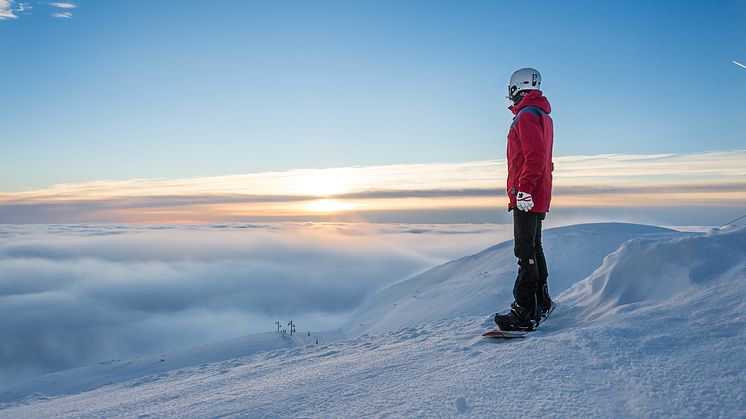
[483,283]
[650,324]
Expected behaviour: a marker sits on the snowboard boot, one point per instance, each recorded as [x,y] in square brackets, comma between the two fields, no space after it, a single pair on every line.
[518,319]
[545,303]
[547,310]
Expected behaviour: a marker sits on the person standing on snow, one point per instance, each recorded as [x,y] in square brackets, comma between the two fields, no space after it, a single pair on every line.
[530,191]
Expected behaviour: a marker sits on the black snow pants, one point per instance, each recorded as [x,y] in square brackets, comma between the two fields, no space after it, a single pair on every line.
[532,267]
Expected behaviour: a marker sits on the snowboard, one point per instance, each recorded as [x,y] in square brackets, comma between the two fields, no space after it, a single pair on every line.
[504,334]
[497,333]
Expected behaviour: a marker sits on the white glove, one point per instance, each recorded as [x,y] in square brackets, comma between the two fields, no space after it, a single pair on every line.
[524,202]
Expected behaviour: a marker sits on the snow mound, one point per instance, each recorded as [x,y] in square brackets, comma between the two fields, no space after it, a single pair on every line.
[483,283]
[656,269]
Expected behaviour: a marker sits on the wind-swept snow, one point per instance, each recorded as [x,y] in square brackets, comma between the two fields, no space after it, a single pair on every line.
[483,283]
[649,269]
[656,329]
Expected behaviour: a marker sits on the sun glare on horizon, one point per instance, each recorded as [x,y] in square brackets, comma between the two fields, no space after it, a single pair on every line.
[327,205]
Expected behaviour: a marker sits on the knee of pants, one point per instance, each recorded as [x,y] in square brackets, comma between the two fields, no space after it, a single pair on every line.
[528,263]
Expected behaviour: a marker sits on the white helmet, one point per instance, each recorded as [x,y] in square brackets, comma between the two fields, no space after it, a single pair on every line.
[524,79]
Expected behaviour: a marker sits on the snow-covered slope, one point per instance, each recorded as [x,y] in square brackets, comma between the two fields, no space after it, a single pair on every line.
[656,330]
[483,283]
[83,379]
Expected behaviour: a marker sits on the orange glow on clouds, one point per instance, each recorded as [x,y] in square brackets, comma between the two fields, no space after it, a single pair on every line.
[327,205]
[717,178]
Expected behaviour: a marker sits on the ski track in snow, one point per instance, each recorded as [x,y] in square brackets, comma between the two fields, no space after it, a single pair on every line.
[672,349]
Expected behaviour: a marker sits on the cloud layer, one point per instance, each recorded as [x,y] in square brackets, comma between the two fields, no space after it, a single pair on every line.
[6,10]
[76,294]
[716,179]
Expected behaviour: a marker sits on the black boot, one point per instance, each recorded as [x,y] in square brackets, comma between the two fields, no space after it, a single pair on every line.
[545,312]
[545,303]
[518,319]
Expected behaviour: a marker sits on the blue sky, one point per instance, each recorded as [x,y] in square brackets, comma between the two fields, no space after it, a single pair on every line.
[136,88]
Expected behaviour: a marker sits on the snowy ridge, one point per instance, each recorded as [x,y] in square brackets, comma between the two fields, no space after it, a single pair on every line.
[483,283]
[649,269]
[654,329]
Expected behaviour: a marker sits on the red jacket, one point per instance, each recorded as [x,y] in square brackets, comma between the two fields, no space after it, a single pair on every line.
[530,151]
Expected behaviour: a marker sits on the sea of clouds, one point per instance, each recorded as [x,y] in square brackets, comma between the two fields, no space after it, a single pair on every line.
[72,295]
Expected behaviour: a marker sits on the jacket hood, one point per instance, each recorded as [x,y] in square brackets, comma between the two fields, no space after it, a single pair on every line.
[533,98]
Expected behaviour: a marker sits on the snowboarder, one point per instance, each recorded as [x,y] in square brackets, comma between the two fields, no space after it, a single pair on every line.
[529,188]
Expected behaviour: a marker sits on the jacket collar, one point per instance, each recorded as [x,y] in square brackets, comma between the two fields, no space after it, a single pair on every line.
[532,98]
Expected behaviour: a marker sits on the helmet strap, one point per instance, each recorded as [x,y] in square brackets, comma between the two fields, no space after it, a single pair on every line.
[518,97]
